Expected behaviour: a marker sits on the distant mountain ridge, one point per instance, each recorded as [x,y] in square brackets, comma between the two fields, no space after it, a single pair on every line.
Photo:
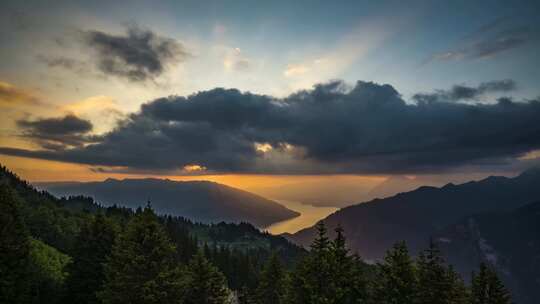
[201,201]
[393,185]
[493,220]
[414,216]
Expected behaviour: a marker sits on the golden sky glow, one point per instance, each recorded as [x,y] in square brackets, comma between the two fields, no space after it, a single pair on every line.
[36,170]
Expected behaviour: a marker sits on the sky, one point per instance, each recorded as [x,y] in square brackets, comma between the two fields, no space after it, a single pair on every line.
[251,93]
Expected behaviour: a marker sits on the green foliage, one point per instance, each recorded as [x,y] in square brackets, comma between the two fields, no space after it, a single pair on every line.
[50,263]
[486,288]
[271,289]
[48,272]
[92,247]
[458,292]
[74,250]
[141,268]
[396,281]
[347,275]
[205,284]
[438,283]
[311,280]
[329,274]
[14,249]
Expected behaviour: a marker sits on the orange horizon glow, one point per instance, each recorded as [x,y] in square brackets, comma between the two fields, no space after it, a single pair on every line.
[38,170]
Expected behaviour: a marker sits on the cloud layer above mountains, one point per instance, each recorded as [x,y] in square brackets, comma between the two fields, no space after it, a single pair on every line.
[333,128]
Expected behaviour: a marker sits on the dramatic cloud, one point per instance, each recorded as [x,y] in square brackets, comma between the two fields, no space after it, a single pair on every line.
[332,128]
[463,92]
[57,133]
[139,55]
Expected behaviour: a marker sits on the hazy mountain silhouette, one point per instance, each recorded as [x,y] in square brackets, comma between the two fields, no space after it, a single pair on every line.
[197,200]
[414,216]
[393,185]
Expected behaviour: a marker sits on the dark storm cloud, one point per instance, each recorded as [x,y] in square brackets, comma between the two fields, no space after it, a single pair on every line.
[463,92]
[329,129]
[57,133]
[138,56]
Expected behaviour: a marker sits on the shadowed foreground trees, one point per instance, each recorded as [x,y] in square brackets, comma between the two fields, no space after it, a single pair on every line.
[329,274]
[116,255]
[486,288]
[14,250]
[205,284]
[141,267]
[93,246]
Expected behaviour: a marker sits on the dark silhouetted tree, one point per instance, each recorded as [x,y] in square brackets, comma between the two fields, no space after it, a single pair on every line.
[433,280]
[14,249]
[396,281]
[206,285]
[486,287]
[348,282]
[271,289]
[92,248]
[311,280]
[142,268]
[458,292]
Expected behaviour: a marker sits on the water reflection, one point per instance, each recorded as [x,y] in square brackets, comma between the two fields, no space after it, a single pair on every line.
[309,215]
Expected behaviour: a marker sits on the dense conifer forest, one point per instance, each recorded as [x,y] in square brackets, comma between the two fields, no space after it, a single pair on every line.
[72,250]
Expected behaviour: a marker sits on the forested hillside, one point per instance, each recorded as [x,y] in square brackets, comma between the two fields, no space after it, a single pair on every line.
[72,250]
[201,201]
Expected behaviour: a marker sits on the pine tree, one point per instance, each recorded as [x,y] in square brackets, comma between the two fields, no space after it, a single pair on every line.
[311,281]
[321,243]
[434,284]
[206,285]
[141,268]
[486,287]
[458,292]
[93,245]
[348,282]
[271,287]
[14,249]
[320,266]
[329,274]
[498,294]
[396,281]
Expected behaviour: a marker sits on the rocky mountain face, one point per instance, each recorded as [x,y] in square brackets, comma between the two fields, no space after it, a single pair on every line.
[415,216]
[510,241]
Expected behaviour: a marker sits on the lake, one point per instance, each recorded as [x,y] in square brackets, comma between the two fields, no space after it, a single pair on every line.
[309,215]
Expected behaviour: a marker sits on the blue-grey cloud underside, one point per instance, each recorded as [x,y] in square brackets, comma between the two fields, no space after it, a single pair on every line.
[366,129]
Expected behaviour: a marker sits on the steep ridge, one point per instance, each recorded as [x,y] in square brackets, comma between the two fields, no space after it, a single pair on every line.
[414,216]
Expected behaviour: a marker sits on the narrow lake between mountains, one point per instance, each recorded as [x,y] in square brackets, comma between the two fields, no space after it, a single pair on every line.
[309,215]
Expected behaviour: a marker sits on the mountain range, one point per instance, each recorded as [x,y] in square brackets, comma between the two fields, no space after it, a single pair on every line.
[494,220]
[374,226]
[200,201]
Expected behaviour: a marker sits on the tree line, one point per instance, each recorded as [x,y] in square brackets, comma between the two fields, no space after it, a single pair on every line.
[122,256]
